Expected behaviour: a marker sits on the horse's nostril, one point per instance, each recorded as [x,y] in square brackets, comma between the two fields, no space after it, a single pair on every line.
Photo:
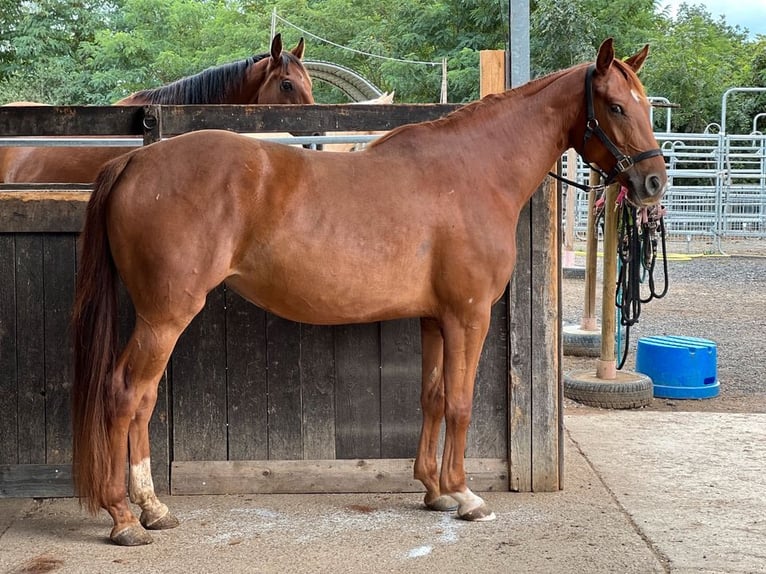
[653,184]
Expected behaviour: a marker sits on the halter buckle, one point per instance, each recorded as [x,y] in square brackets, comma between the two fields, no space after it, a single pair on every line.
[624,163]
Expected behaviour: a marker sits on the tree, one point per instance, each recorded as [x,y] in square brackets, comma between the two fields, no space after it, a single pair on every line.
[694,60]
[41,56]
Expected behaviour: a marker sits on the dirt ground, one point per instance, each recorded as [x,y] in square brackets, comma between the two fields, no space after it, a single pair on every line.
[714,296]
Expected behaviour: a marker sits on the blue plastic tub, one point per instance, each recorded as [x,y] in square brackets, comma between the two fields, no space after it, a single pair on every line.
[680,367]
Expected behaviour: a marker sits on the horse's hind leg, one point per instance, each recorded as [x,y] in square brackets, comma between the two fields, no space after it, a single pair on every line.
[136,378]
[154,514]
[432,403]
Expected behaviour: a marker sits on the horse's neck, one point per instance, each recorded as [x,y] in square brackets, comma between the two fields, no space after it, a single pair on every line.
[534,121]
[517,135]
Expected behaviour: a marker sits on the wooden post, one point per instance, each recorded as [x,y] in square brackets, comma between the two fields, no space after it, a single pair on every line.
[589,322]
[606,367]
[491,72]
[568,260]
[535,393]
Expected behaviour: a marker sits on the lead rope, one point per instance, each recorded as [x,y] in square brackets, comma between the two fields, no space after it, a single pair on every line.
[637,255]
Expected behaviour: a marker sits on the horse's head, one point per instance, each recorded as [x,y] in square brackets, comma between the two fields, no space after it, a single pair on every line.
[281,78]
[617,136]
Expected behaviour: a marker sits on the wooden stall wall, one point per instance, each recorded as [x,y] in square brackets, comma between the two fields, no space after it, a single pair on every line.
[251,402]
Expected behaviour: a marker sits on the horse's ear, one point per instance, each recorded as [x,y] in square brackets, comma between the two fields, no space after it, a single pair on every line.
[298,50]
[605,56]
[276,46]
[637,60]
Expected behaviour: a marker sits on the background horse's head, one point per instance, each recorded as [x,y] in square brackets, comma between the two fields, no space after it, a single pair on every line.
[280,78]
[616,135]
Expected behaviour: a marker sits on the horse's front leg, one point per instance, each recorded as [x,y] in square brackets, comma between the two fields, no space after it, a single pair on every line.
[463,340]
[432,404]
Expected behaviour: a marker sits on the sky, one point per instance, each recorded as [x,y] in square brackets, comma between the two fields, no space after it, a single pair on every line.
[750,14]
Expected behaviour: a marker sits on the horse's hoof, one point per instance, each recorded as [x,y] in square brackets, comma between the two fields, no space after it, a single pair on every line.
[443,503]
[164,522]
[479,514]
[131,536]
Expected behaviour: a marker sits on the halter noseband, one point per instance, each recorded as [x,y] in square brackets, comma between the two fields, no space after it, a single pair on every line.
[624,162]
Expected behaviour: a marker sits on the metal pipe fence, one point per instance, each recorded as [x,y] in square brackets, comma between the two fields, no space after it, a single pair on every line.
[716,187]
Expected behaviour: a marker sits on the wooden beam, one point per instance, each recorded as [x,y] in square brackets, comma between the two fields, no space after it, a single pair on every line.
[42,211]
[36,481]
[320,476]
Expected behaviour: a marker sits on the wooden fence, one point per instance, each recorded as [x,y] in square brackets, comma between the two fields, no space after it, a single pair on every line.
[251,402]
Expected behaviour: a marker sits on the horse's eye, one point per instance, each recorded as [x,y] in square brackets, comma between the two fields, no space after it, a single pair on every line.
[617,109]
[287,86]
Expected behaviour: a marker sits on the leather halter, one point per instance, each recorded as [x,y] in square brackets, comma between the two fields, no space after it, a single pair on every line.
[624,162]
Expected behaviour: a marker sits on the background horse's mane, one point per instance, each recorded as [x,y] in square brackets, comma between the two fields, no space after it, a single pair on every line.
[209,86]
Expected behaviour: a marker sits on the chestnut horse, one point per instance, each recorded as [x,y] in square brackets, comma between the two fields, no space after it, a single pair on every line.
[277,77]
[419,224]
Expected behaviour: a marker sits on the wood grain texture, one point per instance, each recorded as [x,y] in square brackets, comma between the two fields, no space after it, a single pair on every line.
[246,379]
[59,273]
[321,476]
[199,386]
[30,350]
[9,436]
[36,481]
[400,375]
[318,387]
[357,393]
[284,388]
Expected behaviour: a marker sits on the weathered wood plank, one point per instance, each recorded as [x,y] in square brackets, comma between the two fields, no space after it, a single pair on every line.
[42,211]
[321,476]
[71,120]
[246,379]
[127,120]
[318,385]
[8,345]
[284,388]
[30,335]
[487,435]
[400,417]
[282,118]
[545,363]
[59,273]
[520,383]
[35,480]
[357,394]
[199,386]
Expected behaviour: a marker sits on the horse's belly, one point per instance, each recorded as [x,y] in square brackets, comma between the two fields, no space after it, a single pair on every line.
[333,295]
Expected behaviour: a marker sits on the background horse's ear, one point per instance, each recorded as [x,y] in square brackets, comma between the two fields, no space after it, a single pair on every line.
[298,50]
[605,56]
[276,47]
[636,61]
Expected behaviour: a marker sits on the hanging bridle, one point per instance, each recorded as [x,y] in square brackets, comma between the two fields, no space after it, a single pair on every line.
[592,127]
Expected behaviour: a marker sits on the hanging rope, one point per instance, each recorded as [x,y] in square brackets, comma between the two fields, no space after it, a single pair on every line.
[637,245]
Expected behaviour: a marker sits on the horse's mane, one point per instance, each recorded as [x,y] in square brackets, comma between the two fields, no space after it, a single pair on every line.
[209,86]
[474,107]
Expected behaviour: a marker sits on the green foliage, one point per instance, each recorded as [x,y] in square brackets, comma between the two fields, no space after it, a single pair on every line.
[694,60]
[97,51]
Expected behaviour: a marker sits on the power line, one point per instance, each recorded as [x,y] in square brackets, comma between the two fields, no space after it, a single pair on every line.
[390,59]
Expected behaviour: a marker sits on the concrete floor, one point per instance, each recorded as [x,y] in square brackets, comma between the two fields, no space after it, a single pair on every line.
[644,492]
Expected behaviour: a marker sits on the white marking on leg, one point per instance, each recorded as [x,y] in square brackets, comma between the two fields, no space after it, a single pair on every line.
[469,502]
[142,490]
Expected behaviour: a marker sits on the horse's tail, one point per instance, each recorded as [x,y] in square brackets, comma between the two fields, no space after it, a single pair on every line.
[95,338]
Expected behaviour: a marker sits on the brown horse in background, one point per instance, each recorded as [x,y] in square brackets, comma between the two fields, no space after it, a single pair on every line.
[276,77]
[419,224]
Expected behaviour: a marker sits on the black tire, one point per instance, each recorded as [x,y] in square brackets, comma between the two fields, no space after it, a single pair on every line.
[627,392]
[581,343]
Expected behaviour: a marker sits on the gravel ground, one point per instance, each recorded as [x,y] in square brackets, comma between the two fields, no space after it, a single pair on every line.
[721,298]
